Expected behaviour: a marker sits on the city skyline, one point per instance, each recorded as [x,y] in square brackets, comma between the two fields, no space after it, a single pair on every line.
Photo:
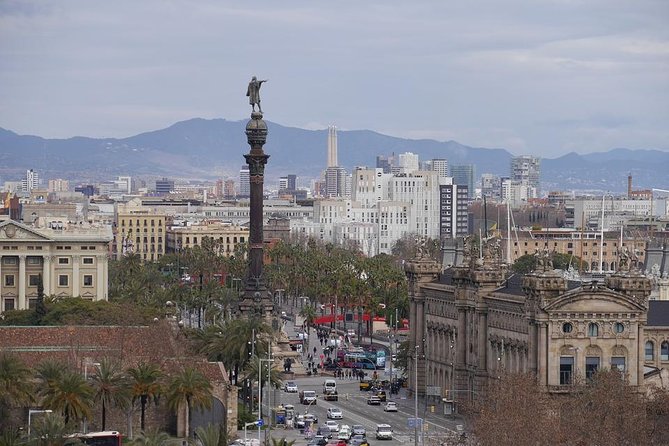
[541,79]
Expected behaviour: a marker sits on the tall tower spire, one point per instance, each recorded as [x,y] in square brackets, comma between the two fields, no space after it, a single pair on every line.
[333,160]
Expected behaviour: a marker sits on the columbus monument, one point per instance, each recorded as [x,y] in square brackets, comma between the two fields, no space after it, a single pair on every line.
[256,300]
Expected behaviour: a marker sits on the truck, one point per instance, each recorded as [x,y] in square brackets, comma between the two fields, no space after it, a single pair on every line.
[307,397]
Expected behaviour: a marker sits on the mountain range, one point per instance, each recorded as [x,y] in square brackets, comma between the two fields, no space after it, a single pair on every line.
[208,149]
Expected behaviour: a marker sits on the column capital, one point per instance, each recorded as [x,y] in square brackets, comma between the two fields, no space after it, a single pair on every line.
[76,257]
[47,258]
[22,257]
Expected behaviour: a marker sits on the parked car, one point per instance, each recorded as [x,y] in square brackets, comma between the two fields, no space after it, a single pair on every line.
[390,406]
[335,413]
[374,401]
[290,387]
[333,425]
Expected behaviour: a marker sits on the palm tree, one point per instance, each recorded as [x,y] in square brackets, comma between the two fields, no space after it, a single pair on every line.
[48,430]
[48,374]
[211,434]
[251,372]
[111,387]
[192,388]
[151,438]
[70,395]
[15,386]
[282,442]
[145,385]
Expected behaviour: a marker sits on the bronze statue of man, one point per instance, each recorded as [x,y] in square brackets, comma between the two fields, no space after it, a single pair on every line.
[253,92]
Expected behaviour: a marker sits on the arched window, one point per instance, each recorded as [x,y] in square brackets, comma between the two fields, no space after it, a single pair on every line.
[593,330]
[664,351]
[649,350]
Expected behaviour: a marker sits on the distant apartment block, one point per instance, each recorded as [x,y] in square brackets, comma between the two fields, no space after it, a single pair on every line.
[58,185]
[31,181]
[139,231]
[189,235]
[229,189]
[408,162]
[526,169]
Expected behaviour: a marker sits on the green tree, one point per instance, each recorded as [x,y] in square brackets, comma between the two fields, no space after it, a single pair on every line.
[254,365]
[151,438]
[71,396]
[146,386]
[49,429]
[111,387]
[190,388]
[48,374]
[211,435]
[16,389]
[282,442]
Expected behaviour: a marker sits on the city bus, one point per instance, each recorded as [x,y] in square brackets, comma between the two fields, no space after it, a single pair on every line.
[104,438]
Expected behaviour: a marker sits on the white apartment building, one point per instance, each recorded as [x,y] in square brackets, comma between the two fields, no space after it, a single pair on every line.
[587,212]
[58,185]
[408,162]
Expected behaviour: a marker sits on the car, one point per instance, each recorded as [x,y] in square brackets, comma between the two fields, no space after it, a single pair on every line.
[358,429]
[334,413]
[290,387]
[325,431]
[344,432]
[384,432]
[374,400]
[390,406]
[337,442]
[333,425]
[310,418]
[318,440]
[382,395]
[357,440]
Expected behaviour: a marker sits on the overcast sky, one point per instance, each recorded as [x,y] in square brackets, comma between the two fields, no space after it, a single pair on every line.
[542,77]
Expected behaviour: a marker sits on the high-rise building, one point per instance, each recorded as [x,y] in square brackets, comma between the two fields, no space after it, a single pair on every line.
[453,211]
[337,182]
[292,182]
[440,166]
[527,169]
[244,182]
[491,186]
[125,183]
[164,186]
[408,162]
[31,181]
[283,183]
[463,175]
[333,160]
[383,163]
[229,189]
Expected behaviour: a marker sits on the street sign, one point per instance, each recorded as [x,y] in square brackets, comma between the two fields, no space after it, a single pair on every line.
[415,423]
[259,423]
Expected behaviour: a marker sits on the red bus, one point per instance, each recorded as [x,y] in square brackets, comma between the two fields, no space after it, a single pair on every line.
[104,438]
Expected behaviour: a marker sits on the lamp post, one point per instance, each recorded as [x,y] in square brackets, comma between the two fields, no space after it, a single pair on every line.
[31,412]
[260,363]
[415,394]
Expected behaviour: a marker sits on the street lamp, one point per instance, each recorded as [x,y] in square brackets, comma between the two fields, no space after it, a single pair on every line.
[260,363]
[415,395]
[32,411]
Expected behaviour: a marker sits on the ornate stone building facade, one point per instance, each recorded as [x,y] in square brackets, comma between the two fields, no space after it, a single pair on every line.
[70,262]
[472,321]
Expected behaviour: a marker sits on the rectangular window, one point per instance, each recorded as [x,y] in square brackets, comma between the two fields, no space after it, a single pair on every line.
[63,260]
[63,280]
[32,303]
[34,260]
[88,280]
[591,366]
[566,370]
[88,260]
[9,260]
[618,363]
[33,280]
[9,279]
[9,304]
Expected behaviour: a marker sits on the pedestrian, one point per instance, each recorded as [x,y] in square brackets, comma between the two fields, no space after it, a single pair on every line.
[315,351]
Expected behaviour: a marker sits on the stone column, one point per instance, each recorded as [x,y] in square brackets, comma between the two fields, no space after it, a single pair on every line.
[100,278]
[46,274]
[22,304]
[532,347]
[483,339]
[75,276]
[542,364]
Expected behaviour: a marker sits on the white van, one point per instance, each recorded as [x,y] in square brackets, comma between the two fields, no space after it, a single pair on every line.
[329,386]
[384,432]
